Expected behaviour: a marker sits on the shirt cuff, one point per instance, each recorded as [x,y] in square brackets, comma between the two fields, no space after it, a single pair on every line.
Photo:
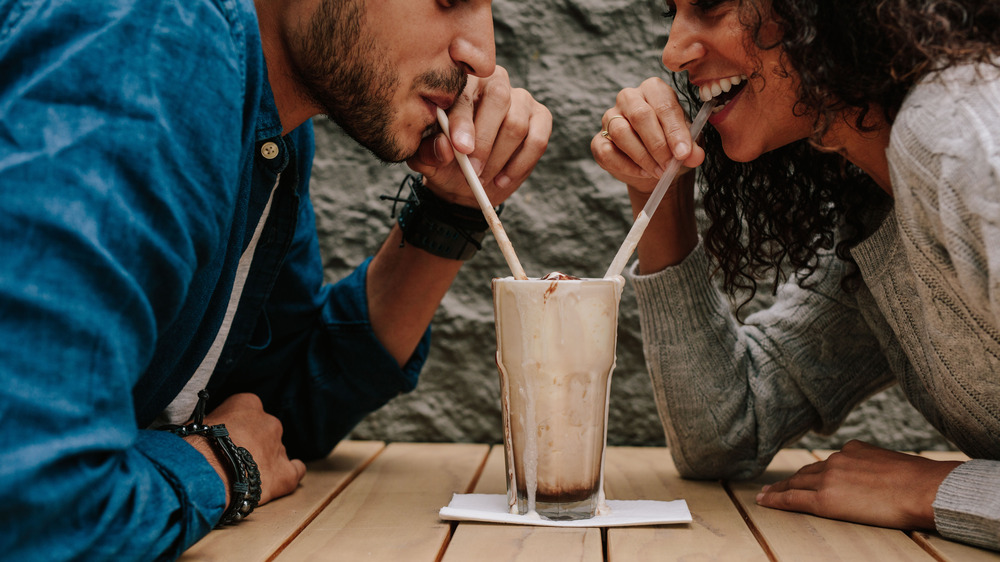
[967,505]
[350,318]
[198,488]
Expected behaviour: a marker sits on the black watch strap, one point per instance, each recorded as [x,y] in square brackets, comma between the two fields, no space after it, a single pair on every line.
[245,490]
[440,227]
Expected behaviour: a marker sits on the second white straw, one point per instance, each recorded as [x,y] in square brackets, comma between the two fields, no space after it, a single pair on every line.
[642,220]
[506,248]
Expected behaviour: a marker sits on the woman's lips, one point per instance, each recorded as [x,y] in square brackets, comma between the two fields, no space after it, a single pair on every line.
[720,113]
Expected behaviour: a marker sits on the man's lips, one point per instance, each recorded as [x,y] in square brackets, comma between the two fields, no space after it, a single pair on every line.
[444,101]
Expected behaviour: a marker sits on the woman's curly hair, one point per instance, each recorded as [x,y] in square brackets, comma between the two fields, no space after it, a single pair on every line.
[778,211]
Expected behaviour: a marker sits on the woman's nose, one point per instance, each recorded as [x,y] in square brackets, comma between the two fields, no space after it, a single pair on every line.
[684,46]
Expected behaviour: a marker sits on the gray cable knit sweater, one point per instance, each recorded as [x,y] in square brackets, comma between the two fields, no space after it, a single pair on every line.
[928,318]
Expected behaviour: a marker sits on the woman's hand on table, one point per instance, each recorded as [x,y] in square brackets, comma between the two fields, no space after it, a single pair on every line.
[864,484]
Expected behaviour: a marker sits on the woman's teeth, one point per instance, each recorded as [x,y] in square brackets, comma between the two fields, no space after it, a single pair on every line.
[716,89]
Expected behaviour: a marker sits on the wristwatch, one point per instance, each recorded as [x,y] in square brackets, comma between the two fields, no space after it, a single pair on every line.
[440,227]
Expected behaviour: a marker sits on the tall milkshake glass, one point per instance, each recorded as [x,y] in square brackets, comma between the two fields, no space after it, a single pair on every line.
[556,339]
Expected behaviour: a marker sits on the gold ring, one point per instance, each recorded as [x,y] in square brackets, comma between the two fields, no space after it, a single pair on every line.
[605,134]
[613,117]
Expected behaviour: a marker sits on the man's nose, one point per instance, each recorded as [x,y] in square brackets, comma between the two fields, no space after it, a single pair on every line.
[475,47]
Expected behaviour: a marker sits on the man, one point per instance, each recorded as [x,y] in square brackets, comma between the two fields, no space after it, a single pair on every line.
[157,240]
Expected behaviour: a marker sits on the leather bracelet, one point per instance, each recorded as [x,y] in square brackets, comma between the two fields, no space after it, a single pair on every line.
[440,227]
[245,492]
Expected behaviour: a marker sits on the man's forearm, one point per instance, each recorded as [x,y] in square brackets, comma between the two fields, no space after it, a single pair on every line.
[405,285]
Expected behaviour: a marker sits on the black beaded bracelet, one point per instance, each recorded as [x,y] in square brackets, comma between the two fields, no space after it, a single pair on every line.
[245,493]
[437,226]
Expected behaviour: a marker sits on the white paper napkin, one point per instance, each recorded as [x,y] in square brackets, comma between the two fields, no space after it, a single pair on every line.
[493,508]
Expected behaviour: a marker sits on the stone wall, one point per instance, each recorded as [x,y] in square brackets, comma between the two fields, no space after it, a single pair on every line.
[570,216]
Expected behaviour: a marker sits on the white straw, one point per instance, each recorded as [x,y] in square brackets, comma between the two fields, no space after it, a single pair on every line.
[484,203]
[642,220]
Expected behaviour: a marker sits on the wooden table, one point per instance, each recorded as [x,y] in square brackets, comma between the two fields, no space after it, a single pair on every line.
[371,501]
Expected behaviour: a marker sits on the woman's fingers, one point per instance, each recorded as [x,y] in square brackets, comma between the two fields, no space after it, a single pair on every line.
[643,132]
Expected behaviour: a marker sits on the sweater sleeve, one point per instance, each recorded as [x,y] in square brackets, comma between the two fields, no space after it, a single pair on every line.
[945,158]
[968,502]
[730,394]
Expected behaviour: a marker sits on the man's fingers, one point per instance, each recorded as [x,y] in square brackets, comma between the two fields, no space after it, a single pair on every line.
[506,142]
[809,477]
[524,144]
[495,122]
[434,152]
[461,120]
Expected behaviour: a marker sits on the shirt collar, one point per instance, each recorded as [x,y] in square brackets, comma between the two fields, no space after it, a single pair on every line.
[268,120]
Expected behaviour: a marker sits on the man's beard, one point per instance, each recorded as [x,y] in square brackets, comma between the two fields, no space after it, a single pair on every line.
[341,69]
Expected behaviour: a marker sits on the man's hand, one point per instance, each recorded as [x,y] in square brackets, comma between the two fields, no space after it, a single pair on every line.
[864,484]
[257,431]
[503,130]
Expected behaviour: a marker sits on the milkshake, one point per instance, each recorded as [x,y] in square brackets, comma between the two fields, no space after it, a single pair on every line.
[556,340]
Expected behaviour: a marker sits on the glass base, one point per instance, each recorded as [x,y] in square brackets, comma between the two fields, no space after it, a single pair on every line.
[561,511]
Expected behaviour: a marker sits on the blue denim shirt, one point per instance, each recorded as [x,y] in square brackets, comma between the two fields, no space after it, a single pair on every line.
[131,180]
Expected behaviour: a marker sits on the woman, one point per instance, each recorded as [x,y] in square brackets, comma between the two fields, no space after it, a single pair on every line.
[856,144]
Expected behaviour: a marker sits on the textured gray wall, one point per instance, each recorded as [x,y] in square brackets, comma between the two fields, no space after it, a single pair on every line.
[570,216]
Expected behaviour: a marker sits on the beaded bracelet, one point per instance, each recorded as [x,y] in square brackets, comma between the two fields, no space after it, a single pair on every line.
[245,494]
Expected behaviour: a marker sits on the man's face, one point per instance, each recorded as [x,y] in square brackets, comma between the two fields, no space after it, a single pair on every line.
[379,69]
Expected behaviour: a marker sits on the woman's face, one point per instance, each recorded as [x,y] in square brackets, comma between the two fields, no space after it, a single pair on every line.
[756,95]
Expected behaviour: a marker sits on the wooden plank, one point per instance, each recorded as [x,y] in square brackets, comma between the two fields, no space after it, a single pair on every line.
[950,551]
[486,542]
[494,477]
[269,527]
[823,454]
[390,511]
[945,455]
[798,536]
[717,532]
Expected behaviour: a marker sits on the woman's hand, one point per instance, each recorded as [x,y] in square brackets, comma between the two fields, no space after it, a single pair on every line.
[642,133]
[864,484]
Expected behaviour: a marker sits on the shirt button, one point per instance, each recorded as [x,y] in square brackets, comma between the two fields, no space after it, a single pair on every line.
[269,150]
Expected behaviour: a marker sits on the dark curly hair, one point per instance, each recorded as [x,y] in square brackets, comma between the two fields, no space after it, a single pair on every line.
[776,213]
